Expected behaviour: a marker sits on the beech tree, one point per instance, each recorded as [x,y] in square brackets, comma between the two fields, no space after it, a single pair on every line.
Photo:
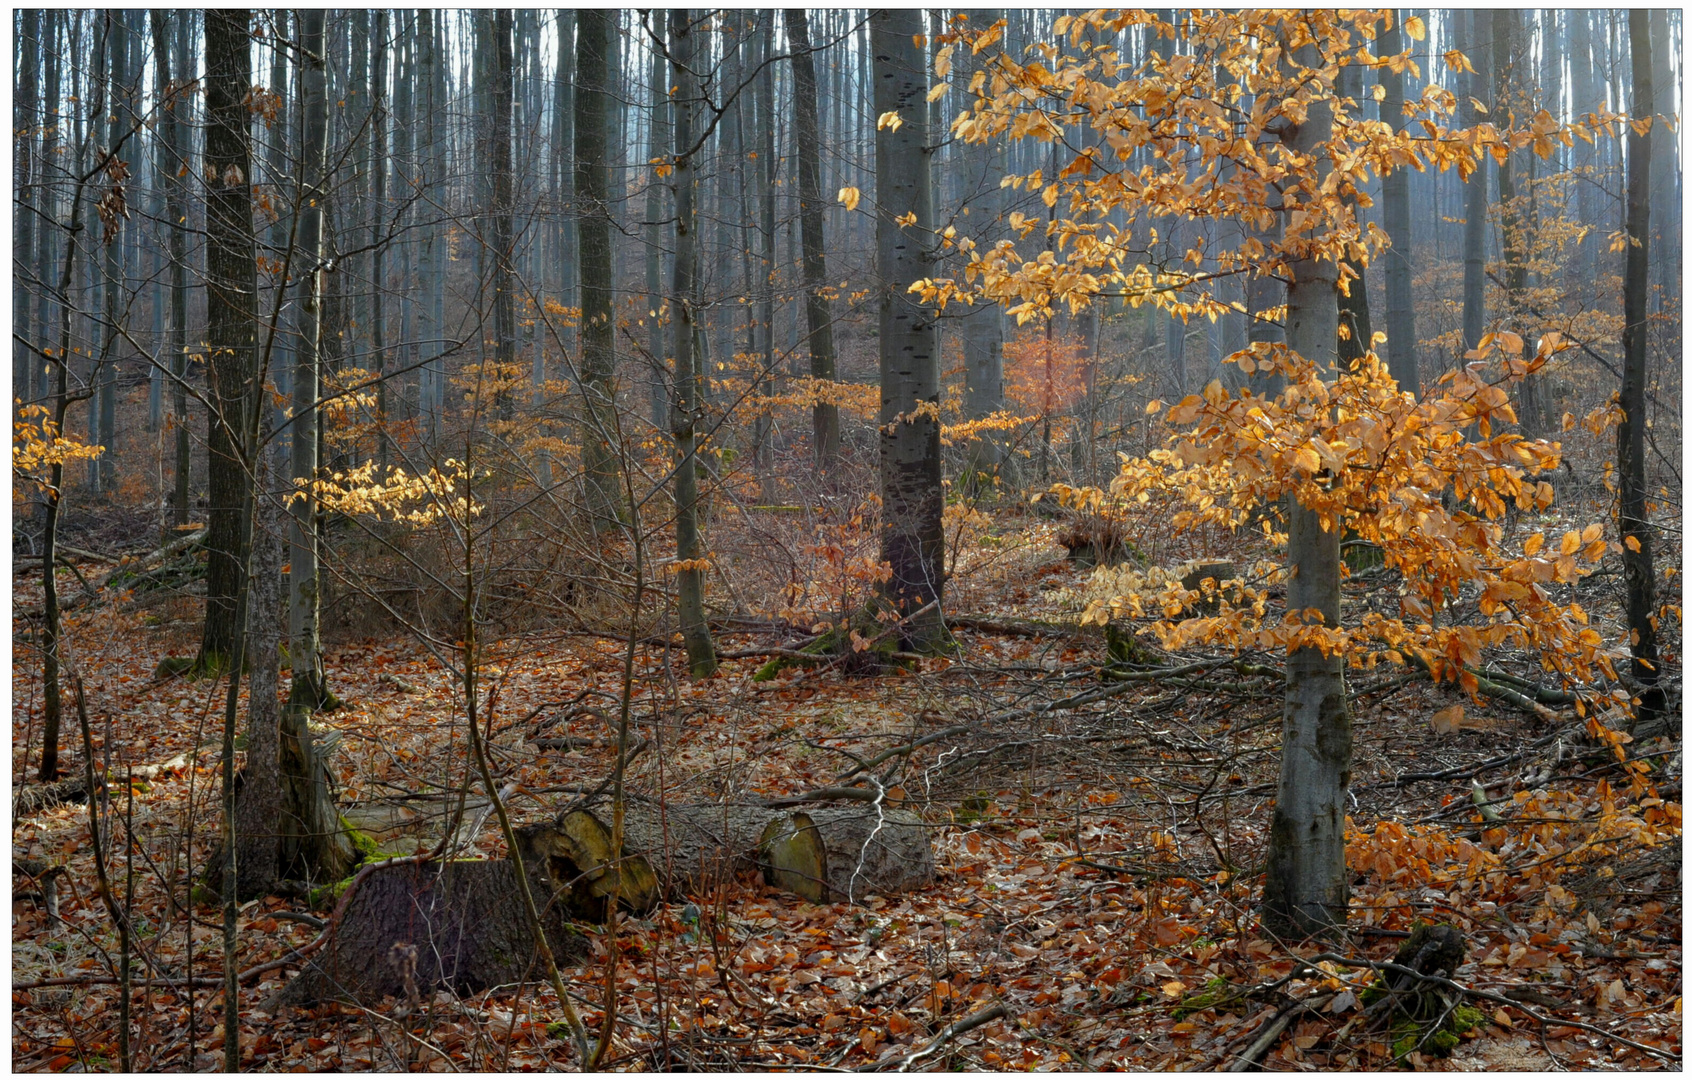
[1337,452]
[911,495]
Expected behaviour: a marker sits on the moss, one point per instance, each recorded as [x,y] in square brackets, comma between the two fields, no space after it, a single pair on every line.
[833,644]
[975,808]
[324,897]
[1218,994]
[365,844]
[172,666]
[1465,1018]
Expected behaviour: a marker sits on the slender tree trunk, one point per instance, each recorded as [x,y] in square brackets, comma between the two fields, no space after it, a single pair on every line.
[598,424]
[684,296]
[505,310]
[1474,209]
[982,168]
[1665,160]
[1630,433]
[911,495]
[1512,223]
[309,686]
[825,419]
[657,146]
[763,449]
[119,97]
[1395,213]
[27,173]
[1305,891]
[258,806]
[1358,332]
[231,293]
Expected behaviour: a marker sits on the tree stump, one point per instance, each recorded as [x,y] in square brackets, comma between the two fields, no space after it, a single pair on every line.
[413,927]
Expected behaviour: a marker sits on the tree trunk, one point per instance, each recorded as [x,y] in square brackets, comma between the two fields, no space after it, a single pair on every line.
[1358,333]
[1665,160]
[309,687]
[27,176]
[1305,892]
[690,546]
[1630,433]
[119,98]
[1474,209]
[825,419]
[911,495]
[983,167]
[505,311]
[762,430]
[1507,96]
[231,292]
[1395,213]
[593,218]
[657,147]
[258,805]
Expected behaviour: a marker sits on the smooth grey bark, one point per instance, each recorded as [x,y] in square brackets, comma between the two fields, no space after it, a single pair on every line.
[1635,523]
[231,296]
[684,296]
[1398,261]
[825,419]
[308,685]
[982,168]
[1585,97]
[563,143]
[593,228]
[258,806]
[911,494]
[1305,891]
[1479,87]
[47,238]
[173,161]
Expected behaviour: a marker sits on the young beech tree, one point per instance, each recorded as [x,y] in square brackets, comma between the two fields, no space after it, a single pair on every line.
[1245,118]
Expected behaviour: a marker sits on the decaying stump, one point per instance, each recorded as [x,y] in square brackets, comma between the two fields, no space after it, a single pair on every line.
[464,918]
[836,854]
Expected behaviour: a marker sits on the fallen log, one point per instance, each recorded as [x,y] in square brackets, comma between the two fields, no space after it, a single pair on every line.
[827,855]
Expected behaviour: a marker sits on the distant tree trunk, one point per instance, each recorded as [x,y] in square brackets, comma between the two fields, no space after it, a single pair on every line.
[378,219]
[1395,214]
[309,687]
[911,495]
[598,424]
[1512,222]
[119,98]
[1630,433]
[1354,299]
[1474,208]
[231,293]
[47,238]
[505,311]
[825,419]
[763,450]
[657,146]
[983,167]
[690,546]
[27,176]
[564,105]
[1305,892]
[1665,160]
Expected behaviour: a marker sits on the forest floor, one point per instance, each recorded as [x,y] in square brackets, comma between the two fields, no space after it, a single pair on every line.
[1095,864]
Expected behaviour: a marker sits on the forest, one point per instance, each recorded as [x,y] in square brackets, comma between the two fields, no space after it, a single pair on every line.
[846,540]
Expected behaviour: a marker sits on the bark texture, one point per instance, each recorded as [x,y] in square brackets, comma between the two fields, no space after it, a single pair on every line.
[231,293]
[308,685]
[593,241]
[1630,433]
[463,917]
[690,545]
[911,496]
[819,320]
[1305,891]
